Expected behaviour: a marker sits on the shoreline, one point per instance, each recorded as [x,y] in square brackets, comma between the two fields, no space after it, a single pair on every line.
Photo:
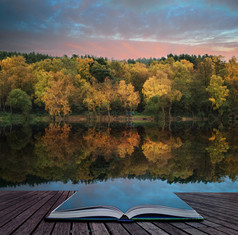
[8,119]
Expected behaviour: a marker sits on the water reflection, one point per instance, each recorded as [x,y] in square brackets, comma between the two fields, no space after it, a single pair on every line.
[80,154]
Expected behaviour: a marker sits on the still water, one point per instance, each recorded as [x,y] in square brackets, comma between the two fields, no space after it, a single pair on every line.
[187,158]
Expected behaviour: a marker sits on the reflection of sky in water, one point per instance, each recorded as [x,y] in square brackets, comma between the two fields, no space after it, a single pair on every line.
[124,195]
[132,191]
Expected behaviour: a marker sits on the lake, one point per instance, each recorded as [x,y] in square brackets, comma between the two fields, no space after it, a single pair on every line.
[187,158]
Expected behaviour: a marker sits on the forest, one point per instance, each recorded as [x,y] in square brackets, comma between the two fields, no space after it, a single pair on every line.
[172,86]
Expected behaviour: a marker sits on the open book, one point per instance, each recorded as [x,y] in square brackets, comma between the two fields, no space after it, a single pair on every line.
[72,209]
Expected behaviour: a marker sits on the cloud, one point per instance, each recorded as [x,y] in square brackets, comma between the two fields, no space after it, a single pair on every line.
[37,24]
[140,5]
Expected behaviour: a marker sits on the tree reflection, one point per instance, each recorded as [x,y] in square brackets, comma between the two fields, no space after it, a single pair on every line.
[218,146]
[55,153]
[89,154]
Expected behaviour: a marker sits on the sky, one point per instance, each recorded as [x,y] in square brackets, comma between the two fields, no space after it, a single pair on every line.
[120,29]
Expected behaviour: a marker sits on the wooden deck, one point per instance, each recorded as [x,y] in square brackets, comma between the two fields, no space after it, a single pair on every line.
[23,212]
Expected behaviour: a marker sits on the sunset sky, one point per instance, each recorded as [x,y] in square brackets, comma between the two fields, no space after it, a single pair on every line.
[120,29]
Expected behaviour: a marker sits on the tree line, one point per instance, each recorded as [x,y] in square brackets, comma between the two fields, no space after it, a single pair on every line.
[184,84]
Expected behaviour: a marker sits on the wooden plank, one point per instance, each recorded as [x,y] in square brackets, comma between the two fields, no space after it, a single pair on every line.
[218,209]
[79,228]
[194,231]
[98,228]
[10,195]
[227,230]
[224,213]
[45,227]
[169,228]
[213,217]
[61,228]
[232,196]
[220,205]
[30,225]
[116,228]
[213,199]
[187,228]
[217,226]
[151,228]
[12,225]
[204,211]
[134,228]
[212,231]
[223,223]
[13,212]
[206,223]
[197,224]
[16,200]
[203,226]
[3,193]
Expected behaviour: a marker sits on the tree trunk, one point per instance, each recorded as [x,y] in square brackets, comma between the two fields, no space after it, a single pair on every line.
[3,105]
[169,113]
[108,112]
[163,111]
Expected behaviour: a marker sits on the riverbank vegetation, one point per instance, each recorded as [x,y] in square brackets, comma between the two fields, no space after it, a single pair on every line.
[172,86]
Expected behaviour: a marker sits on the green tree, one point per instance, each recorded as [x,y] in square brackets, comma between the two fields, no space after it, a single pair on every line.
[15,73]
[182,80]
[20,100]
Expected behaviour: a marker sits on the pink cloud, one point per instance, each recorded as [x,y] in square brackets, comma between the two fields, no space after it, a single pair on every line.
[122,49]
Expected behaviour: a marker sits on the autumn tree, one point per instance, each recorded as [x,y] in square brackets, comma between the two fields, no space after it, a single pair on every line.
[83,68]
[232,80]
[128,97]
[120,70]
[218,92]
[56,96]
[43,80]
[108,94]
[93,97]
[139,74]
[161,86]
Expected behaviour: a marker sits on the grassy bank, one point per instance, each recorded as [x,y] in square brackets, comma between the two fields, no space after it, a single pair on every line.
[7,119]
[89,117]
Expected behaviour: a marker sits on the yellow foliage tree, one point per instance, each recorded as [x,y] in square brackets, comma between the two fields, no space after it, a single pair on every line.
[83,68]
[232,79]
[218,92]
[56,96]
[139,74]
[128,97]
